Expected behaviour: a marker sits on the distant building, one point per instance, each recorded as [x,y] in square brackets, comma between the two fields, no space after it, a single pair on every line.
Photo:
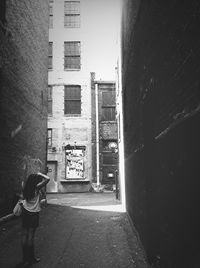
[70,104]
[23,94]
[104,133]
[69,100]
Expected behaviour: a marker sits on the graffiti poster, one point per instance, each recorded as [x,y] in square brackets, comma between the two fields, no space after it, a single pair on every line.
[75,164]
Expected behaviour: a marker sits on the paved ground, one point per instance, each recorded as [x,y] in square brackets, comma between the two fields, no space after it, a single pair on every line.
[72,235]
[93,201]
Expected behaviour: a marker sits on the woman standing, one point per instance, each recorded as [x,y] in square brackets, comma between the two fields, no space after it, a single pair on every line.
[30,215]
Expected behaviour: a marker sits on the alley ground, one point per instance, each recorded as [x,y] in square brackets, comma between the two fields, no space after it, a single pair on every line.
[77,230]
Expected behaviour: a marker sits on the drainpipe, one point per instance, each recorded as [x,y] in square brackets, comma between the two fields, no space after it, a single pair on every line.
[97,134]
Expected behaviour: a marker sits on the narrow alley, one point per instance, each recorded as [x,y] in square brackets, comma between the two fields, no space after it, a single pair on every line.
[77,231]
[103,98]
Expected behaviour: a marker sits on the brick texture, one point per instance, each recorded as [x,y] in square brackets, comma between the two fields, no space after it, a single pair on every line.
[161,63]
[23,95]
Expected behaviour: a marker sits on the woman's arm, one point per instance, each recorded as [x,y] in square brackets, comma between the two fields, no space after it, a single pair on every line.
[45,180]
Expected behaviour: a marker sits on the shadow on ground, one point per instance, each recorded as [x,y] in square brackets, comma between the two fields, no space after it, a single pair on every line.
[73,237]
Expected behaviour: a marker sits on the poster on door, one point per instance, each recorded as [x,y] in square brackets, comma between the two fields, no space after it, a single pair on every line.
[74,164]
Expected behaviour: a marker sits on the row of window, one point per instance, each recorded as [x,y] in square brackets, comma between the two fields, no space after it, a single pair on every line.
[72,55]
[71,14]
[72,102]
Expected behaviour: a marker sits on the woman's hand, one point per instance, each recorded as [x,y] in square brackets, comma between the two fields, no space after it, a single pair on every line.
[45,180]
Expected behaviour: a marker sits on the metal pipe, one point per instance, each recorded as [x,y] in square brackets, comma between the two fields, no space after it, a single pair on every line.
[97,133]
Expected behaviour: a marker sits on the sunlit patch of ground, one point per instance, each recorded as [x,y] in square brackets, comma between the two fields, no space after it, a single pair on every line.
[89,201]
[114,208]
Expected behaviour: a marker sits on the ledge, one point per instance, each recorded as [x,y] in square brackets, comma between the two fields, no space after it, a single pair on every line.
[75,181]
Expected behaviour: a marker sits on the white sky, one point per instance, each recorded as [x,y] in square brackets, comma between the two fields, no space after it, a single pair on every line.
[103,20]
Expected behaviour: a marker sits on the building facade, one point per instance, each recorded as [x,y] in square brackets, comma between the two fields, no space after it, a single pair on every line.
[104,134]
[23,94]
[69,99]
[72,163]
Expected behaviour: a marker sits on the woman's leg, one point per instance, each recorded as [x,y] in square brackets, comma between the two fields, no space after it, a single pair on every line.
[31,236]
[24,242]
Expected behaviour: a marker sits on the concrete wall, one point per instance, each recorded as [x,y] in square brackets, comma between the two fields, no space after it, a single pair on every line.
[23,95]
[161,48]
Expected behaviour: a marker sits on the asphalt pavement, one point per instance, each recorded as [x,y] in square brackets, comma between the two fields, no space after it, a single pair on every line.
[87,230]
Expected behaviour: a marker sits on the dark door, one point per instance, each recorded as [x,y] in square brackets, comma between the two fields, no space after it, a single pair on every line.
[109,164]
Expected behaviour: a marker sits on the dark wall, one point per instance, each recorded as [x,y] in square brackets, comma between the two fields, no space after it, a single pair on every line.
[107,130]
[161,95]
[23,94]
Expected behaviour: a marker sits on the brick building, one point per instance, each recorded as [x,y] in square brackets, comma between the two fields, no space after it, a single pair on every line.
[72,54]
[104,133]
[69,115]
[161,97]
[23,94]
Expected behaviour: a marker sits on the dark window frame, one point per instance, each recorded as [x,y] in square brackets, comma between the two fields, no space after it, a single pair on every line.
[50,100]
[72,53]
[71,14]
[50,14]
[73,101]
[50,56]
[109,109]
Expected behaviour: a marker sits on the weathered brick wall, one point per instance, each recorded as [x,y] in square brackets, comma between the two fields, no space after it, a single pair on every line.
[23,95]
[161,63]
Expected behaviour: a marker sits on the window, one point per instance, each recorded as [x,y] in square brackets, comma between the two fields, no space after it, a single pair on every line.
[108,159]
[50,14]
[73,100]
[50,100]
[72,55]
[72,14]
[50,64]
[49,137]
[108,106]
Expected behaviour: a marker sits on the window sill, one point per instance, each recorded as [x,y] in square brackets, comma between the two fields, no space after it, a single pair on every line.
[52,152]
[71,70]
[74,181]
[72,27]
[72,115]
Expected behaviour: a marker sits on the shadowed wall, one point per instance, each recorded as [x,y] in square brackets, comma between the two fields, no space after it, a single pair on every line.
[161,95]
[23,94]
